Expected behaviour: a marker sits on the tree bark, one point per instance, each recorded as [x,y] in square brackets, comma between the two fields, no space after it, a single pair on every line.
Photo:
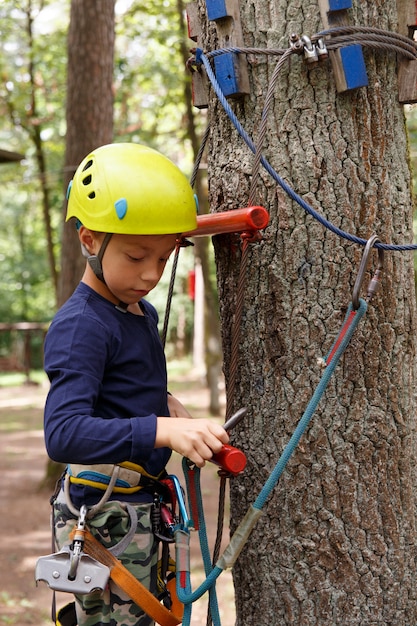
[336,542]
[89,109]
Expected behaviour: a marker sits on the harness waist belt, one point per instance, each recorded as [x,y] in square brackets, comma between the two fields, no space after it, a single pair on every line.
[131,478]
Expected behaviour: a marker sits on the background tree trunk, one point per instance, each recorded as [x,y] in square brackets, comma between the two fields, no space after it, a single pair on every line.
[89,109]
[336,543]
[89,125]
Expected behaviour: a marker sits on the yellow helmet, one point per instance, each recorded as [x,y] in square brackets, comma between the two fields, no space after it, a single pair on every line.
[130,189]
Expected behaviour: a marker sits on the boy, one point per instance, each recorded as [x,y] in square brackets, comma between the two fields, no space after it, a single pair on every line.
[108,404]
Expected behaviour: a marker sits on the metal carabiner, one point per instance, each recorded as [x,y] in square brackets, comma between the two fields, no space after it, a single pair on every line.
[180,499]
[374,283]
[78,543]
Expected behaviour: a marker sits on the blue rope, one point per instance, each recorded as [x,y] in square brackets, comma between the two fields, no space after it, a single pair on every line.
[201,58]
[312,405]
[187,596]
[202,533]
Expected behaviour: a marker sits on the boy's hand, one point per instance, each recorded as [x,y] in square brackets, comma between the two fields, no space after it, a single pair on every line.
[176,408]
[196,439]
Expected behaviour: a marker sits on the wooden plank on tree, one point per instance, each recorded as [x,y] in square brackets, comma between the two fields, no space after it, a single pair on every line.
[407,69]
[199,81]
[348,63]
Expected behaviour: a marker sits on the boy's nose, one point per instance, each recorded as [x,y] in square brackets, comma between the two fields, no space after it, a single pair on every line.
[150,273]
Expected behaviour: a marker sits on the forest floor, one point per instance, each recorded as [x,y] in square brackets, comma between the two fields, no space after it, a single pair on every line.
[25,511]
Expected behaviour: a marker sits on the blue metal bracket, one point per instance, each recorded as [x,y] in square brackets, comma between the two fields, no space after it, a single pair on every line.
[348,63]
[216,9]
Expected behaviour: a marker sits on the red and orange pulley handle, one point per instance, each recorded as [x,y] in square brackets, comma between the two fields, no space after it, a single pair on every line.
[249,219]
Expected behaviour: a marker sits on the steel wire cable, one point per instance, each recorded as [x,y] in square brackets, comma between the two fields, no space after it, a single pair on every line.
[204,59]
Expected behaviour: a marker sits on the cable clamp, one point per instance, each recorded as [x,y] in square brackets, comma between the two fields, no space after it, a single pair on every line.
[322,52]
[310,51]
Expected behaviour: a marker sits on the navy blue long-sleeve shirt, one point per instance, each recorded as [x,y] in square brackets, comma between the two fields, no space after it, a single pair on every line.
[108,380]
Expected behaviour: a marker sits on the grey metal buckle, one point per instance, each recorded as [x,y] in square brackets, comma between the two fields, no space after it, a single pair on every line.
[54,569]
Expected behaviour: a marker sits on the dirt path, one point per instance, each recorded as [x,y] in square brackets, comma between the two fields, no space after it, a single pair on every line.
[24,520]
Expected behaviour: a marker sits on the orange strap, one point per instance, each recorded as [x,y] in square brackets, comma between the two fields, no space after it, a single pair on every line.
[126,581]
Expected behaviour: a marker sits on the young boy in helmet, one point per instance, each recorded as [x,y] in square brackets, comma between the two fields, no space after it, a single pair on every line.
[108,406]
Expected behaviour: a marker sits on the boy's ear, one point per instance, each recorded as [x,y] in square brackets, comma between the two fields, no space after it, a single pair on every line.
[87,239]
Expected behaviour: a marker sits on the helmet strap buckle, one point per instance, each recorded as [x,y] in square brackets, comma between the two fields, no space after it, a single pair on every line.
[94,260]
[95,264]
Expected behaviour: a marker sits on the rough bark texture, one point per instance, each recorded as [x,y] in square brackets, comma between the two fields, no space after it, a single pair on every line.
[336,543]
[89,109]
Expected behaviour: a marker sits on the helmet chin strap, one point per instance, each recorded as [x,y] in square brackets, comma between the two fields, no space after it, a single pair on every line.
[95,262]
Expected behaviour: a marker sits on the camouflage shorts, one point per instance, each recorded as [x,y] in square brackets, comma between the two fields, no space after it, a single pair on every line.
[113,607]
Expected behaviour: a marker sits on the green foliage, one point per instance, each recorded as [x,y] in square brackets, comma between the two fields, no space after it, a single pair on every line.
[149,108]
[25,276]
[32,64]
[149,78]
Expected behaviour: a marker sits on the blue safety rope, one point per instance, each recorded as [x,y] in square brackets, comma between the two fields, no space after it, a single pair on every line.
[312,405]
[195,488]
[185,593]
[202,58]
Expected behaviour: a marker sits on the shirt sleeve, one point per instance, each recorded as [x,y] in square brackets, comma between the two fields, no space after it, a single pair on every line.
[76,353]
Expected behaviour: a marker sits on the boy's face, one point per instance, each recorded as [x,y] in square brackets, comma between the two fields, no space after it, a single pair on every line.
[133,264]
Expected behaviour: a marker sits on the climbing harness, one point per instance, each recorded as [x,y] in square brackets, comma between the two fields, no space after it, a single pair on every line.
[86,565]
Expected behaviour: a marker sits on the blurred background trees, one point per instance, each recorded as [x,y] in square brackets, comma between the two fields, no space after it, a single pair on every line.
[64,91]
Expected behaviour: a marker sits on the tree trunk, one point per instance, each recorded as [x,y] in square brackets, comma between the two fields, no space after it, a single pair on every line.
[89,109]
[336,542]
[89,124]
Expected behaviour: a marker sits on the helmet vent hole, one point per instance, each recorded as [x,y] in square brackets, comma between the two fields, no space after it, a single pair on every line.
[87,180]
[88,165]
[92,195]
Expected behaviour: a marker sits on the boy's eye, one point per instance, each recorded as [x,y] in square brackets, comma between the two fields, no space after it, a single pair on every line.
[134,259]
